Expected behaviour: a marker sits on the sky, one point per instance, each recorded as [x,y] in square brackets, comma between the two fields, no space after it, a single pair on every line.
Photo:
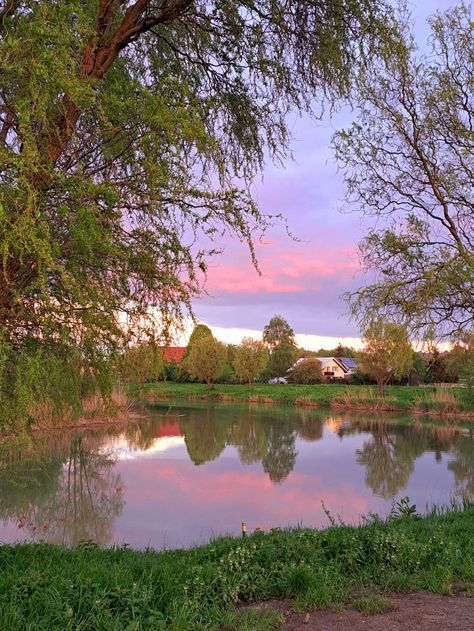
[302,279]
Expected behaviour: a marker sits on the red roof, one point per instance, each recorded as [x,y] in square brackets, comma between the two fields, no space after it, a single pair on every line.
[170,429]
[173,354]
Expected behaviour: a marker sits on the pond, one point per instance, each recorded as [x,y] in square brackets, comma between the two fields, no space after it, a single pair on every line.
[191,471]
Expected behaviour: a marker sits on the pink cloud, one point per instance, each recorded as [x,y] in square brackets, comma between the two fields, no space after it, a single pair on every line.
[284,270]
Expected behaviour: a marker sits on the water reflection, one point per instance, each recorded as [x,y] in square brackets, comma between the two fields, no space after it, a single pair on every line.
[191,470]
[71,498]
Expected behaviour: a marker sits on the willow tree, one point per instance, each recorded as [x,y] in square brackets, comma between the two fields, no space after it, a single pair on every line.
[124,128]
[409,163]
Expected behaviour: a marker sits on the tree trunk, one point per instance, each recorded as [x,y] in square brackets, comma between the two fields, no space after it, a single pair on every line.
[380,388]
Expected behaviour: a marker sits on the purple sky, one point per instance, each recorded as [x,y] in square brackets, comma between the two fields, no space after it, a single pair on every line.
[302,281]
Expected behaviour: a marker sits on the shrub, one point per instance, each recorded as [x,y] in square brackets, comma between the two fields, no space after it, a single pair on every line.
[306,371]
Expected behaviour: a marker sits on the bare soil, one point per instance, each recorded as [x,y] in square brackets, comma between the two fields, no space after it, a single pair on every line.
[421,611]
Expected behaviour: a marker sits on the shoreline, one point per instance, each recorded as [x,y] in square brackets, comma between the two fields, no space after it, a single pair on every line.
[323,397]
[307,399]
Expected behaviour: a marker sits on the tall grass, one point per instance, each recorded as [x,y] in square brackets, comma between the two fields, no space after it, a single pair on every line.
[364,399]
[440,400]
[95,406]
[48,587]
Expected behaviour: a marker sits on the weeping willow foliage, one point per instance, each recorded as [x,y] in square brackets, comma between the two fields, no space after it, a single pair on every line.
[129,134]
[409,165]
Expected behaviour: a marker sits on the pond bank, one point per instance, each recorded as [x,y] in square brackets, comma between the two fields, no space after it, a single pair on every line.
[45,586]
[455,403]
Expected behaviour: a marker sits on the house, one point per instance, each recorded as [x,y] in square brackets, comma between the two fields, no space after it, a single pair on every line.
[334,367]
[338,367]
[173,354]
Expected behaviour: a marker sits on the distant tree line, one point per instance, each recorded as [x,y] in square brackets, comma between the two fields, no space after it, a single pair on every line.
[388,357]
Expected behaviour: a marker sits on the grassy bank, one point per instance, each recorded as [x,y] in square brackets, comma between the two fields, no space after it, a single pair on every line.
[47,587]
[450,402]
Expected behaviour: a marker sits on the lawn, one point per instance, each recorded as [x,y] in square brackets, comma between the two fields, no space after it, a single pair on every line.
[450,401]
[48,587]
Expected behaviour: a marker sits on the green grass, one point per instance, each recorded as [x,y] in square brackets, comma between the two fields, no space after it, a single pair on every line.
[48,587]
[397,398]
[371,604]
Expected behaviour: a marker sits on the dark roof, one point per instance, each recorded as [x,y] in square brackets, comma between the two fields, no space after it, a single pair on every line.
[349,362]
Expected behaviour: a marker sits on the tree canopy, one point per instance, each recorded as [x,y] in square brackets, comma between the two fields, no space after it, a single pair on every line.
[278,332]
[306,371]
[409,162]
[206,359]
[124,130]
[251,358]
[387,352]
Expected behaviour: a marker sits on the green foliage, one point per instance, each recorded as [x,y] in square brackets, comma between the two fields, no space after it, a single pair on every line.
[171,371]
[339,351]
[387,354]
[282,357]
[47,383]
[206,359]
[43,586]
[251,359]
[404,510]
[435,367]
[280,339]
[278,332]
[199,332]
[306,371]
[124,128]
[227,374]
[418,371]
[140,364]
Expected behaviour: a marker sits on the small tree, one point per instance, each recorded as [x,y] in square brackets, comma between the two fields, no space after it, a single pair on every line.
[200,331]
[206,359]
[388,353]
[140,364]
[306,371]
[282,357]
[250,359]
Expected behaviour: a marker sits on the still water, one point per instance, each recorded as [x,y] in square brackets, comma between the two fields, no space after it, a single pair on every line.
[188,472]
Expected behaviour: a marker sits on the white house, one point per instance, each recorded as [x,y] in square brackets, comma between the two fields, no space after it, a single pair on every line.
[334,367]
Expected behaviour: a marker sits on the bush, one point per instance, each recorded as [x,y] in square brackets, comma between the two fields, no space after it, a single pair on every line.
[306,371]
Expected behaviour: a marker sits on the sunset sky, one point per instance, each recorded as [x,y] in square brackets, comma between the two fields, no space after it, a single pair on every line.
[301,280]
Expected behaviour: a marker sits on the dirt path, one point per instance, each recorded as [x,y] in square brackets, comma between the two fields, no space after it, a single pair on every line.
[422,611]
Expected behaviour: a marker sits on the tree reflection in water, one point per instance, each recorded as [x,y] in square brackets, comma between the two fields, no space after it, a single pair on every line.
[65,502]
[204,435]
[390,454]
[462,466]
[280,458]
[389,460]
[258,436]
